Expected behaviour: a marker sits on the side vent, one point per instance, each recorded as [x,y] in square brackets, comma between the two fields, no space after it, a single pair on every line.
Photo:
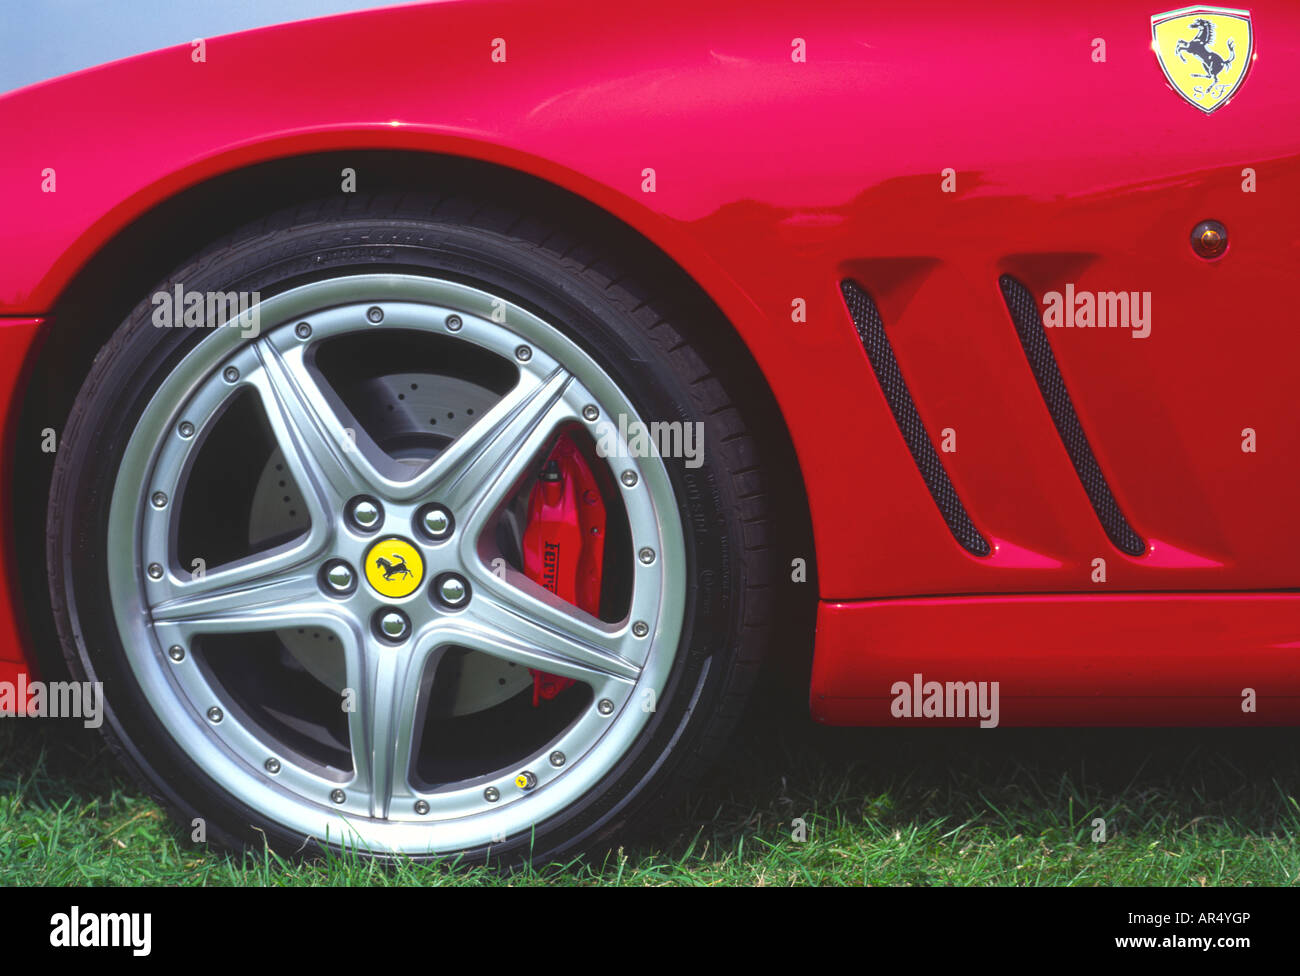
[871,331]
[1033,339]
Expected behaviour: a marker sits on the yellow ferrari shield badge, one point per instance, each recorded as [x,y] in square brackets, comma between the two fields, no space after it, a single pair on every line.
[1205,52]
[394,568]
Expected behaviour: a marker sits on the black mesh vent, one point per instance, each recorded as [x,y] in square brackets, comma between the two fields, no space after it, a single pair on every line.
[871,330]
[1033,339]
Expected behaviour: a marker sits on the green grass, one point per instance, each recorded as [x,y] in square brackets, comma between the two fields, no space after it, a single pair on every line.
[883,807]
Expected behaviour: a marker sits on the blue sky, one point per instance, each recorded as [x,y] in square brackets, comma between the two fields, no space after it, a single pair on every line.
[42,39]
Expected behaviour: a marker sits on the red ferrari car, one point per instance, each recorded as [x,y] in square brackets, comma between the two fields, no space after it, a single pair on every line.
[419,422]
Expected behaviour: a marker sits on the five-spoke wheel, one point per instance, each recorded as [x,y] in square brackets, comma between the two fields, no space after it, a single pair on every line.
[300,567]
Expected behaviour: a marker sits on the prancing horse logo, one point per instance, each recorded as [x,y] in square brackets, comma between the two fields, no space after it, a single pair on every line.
[1204,52]
[391,570]
[1210,60]
[394,567]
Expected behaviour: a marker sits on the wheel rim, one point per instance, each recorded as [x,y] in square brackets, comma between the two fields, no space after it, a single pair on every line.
[379,804]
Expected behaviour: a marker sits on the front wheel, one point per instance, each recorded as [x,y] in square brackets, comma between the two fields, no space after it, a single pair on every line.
[420,537]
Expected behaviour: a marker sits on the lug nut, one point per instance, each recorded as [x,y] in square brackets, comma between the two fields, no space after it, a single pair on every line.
[215,715]
[375,314]
[364,513]
[646,555]
[452,590]
[302,330]
[392,625]
[176,652]
[435,522]
[590,412]
[339,577]
[605,707]
[273,766]
[338,796]
[640,628]
[421,807]
[628,478]
[526,780]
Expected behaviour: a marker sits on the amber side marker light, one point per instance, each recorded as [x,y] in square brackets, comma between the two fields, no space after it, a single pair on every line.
[1210,239]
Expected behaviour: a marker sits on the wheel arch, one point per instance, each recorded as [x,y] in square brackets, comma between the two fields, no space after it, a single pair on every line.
[152,233]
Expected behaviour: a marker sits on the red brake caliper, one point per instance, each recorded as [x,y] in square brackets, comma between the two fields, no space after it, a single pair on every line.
[564,541]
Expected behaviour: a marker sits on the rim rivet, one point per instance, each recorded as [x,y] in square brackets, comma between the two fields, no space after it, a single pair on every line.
[159,500]
[628,478]
[590,412]
[273,766]
[557,758]
[436,522]
[605,707]
[231,374]
[492,794]
[215,714]
[454,323]
[523,354]
[340,577]
[176,652]
[364,513]
[394,625]
[421,807]
[646,555]
[302,330]
[640,628]
[526,780]
[155,571]
[186,429]
[375,314]
[338,796]
[452,590]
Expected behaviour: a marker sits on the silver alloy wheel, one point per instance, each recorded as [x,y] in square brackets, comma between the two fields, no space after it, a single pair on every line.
[375,806]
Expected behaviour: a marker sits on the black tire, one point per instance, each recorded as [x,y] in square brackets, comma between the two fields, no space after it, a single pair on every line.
[656,352]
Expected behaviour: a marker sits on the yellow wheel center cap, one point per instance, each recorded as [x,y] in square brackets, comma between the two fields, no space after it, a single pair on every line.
[394,568]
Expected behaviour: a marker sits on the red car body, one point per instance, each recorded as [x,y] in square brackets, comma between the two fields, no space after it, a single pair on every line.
[775,179]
